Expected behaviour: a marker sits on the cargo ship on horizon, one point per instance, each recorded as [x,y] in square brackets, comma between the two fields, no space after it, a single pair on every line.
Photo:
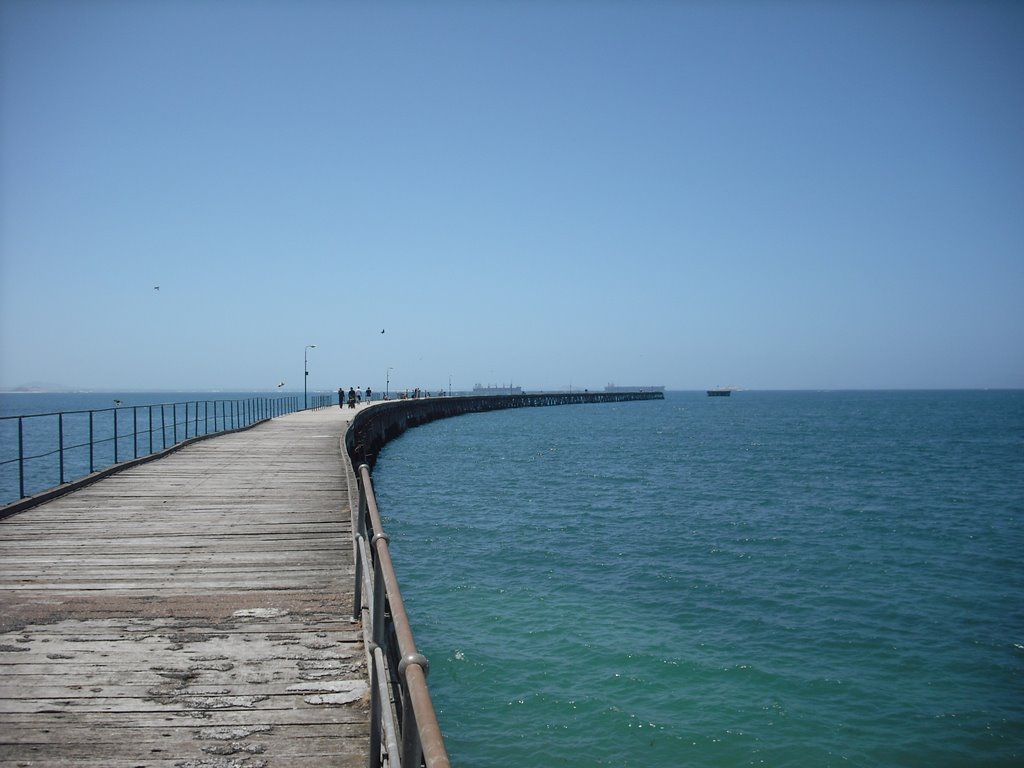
[720,392]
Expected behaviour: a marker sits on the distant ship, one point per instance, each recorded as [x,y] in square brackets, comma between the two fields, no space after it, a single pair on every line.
[720,392]
[614,388]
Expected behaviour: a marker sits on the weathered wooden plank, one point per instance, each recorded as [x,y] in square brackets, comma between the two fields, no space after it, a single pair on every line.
[104,730]
[318,724]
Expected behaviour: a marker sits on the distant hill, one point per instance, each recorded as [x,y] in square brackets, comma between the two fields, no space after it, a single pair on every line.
[39,386]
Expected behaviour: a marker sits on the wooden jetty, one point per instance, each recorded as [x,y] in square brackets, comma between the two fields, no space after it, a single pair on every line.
[192,612]
[196,611]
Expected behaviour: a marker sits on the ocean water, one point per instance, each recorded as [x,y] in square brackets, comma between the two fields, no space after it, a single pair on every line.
[771,579]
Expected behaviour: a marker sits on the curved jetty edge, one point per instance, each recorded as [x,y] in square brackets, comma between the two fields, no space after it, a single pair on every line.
[403,720]
[373,427]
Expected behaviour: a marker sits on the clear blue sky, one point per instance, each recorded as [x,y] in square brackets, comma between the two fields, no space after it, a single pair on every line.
[764,194]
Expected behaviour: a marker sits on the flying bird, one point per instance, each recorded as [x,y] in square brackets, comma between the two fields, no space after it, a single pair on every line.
[280,384]
[156,287]
[382,330]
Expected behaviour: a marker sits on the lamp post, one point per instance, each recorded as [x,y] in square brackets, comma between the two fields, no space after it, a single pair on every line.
[387,381]
[305,377]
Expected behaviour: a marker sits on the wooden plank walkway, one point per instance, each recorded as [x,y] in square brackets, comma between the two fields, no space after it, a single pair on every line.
[190,612]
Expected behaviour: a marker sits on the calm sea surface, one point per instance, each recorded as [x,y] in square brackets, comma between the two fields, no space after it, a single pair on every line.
[779,579]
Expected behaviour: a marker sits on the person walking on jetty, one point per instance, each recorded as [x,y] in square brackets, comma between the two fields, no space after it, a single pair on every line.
[351,397]
[369,395]
[341,397]
[359,395]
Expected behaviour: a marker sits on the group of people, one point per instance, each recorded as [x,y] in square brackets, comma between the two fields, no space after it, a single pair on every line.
[355,395]
[416,394]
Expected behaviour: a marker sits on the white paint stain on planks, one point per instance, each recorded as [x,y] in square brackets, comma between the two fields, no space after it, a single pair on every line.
[190,612]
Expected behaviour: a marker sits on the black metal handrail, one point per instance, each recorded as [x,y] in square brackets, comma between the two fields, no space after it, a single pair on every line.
[404,732]
[46,450]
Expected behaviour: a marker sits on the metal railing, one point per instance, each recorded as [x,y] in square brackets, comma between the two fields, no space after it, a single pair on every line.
[40,452]
[403,724]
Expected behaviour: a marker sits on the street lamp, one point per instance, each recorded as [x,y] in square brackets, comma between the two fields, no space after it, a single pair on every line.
[387,381]
[305,378]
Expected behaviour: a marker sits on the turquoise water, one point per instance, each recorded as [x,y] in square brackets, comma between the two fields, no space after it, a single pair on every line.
[779,579]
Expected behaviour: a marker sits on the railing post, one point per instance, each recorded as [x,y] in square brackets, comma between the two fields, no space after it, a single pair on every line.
[377,606]
[412,752]
[174,422]
[115,434]
[376,673]
[92,465]
[60,437]
[151,429]
[360,537]
[21,457]
[357,595]
[135,430]
[361,523]
[163,427]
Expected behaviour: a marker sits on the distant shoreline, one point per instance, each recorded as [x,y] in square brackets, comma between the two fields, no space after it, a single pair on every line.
[70,391]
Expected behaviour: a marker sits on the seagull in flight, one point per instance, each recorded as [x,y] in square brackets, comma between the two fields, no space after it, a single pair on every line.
[382,330]
[280,384]
[156,287]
